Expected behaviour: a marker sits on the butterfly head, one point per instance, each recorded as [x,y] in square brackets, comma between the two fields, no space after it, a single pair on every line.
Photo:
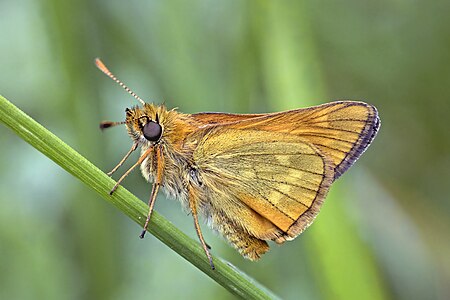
[144,123]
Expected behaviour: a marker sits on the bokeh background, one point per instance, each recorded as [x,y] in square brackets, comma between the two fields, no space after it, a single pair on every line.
[383,232]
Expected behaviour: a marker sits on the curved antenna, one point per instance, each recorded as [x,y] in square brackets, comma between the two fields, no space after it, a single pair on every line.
[105,70]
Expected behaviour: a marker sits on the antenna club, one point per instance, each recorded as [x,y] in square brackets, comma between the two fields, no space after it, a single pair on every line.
[101,66]
[105,70]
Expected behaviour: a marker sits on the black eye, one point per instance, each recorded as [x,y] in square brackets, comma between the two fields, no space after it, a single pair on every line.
[152,131]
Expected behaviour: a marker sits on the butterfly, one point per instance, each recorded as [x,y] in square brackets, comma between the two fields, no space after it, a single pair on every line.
[253,177]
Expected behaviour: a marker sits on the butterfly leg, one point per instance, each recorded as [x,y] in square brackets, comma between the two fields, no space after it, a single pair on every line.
[133,147]
[193,201]
[140,160]
[155,189]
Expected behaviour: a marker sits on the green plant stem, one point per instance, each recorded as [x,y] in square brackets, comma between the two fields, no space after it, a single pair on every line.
[46,142]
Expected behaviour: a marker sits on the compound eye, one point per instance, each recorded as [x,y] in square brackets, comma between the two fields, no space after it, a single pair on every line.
[152,131]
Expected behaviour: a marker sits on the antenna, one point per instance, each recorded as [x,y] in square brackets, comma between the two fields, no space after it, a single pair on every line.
[108,124]
[105,70]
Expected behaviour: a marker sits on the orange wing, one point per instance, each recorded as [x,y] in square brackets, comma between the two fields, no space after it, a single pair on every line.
[280,165]
[341,130]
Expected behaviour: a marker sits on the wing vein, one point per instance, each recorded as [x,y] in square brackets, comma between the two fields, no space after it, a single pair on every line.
[322,109]
[273,205]
[287,195]
[332,148]
[338,120]
[326,137]
[279,165]
[293,184]
[323,127]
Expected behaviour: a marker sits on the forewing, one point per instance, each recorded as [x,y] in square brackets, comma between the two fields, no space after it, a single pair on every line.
[340,130]
[278,175]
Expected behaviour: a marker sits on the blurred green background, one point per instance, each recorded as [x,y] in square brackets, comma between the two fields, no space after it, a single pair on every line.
[383,231]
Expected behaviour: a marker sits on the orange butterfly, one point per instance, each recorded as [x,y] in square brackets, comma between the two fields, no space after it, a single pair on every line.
[253,177]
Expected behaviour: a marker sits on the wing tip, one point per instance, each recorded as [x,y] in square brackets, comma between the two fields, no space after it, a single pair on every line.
[366,137]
